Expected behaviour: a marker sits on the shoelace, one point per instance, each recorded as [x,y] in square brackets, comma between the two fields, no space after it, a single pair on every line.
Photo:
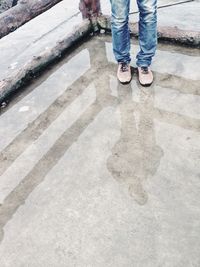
[145,70]
[124,67]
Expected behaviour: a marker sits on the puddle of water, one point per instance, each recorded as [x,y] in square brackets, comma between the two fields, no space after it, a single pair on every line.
[67,144]
[41,98]
[131,147]
[135,156]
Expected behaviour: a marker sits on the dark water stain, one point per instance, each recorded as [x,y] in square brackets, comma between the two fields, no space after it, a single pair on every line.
[136,156]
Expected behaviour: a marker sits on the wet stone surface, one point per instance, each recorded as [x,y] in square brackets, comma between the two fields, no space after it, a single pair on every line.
[94,173]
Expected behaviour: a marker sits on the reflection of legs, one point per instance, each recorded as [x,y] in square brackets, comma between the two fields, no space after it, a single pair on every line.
[136,155]
[125,163]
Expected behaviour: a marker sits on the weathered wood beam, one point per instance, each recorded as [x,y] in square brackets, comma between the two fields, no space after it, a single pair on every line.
[170,34]
[21,13]
[41,60]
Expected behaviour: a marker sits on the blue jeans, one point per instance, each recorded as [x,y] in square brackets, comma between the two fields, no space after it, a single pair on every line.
[147,30]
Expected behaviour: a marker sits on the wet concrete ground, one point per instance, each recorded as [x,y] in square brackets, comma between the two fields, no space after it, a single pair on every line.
[94,173]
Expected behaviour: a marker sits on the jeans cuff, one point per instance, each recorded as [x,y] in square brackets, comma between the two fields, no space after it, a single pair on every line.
[124,61]
[143,64]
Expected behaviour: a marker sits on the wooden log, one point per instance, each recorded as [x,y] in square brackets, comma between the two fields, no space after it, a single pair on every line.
[170,34]
[24,11]
[38,62]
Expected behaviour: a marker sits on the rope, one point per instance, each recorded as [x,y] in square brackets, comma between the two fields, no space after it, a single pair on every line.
[168,5]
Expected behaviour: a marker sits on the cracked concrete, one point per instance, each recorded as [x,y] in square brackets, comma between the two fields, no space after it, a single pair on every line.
[94,173]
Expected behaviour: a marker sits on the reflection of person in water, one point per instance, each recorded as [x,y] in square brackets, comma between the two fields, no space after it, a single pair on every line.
[135,156]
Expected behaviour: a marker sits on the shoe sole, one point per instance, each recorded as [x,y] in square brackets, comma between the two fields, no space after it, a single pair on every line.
[145,85]
[125,82]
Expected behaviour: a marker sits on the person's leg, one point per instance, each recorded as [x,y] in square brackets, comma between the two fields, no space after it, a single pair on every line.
[147,31]
[120,30]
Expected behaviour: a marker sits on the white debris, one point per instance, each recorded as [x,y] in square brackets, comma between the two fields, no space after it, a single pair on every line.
[24,109]
[13,65]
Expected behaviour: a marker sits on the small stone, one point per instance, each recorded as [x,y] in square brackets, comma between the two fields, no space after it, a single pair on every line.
[24,109]
[13,65]
[3,104]
[102,31]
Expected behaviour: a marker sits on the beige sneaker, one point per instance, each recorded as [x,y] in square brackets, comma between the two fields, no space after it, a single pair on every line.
[124,73]
[145,76]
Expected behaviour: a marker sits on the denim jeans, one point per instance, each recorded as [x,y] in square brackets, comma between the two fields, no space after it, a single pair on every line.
[147,30]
